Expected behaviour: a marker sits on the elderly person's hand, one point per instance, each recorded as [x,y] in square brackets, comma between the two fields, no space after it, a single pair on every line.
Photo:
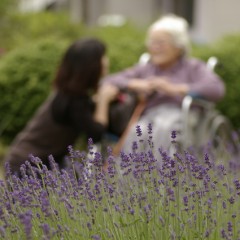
[162,84]
[140,86]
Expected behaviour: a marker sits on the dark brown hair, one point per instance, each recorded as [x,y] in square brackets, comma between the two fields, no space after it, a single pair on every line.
[81,67]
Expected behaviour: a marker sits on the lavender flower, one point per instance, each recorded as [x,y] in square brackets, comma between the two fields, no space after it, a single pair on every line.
[138,131]
[89,226]
[231,200]
[96,237]
[173,136]
[134,146]
[45,204]
[2,232]
[149,128]
[185,200]
[230,227]
[144,188]
[26,220]
[46,230]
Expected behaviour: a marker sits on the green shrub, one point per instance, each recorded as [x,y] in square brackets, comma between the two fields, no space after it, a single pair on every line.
[25,81]
[228,53]
[125,44]
[32,44]
[21,29]
[5,7]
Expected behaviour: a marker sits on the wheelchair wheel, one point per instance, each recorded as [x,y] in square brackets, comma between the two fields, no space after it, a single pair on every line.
[222,135]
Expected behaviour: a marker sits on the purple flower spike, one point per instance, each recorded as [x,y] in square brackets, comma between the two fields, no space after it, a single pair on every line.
[8,172]
[89,226]
[149,128]
[131,211]
[117,208]
[223,233]
[46,230]
[174,134]
[45,204]
[90,143]
[231,200]
[35,160]
[230,227]
[2,232]
[207,234]
[134,146]
[185,200]
[26,220]
[138,131]
[96,237]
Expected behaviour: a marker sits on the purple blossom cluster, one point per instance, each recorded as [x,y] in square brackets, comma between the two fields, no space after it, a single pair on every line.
[141,195]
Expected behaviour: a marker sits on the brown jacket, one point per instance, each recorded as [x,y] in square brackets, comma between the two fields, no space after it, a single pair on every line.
[44,136]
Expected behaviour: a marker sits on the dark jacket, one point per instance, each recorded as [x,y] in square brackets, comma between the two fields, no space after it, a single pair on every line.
[56,125]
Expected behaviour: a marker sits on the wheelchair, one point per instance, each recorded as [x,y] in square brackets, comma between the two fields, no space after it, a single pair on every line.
[207,125]
[202,124]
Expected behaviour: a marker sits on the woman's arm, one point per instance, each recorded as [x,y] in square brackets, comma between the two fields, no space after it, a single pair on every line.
[106,94]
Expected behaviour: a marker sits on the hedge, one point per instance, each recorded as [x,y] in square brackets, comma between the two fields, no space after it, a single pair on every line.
[22,29]
[228,53]
[25,81]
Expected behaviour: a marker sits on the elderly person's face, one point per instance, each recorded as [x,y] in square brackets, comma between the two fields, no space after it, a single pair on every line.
[162,49]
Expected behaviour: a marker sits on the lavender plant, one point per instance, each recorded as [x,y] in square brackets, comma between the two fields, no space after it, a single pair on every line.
[141,196]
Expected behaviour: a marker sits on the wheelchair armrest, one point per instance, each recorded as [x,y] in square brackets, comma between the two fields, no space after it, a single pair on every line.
[188,103]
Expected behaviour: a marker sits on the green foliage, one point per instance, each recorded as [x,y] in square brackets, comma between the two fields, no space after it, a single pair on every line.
[33,44]
[6,12]
[125,44]
[22,29]
[25,81]
[5,7]
[228,53]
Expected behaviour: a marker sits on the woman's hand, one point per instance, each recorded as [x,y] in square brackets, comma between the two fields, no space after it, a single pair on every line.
[105,95]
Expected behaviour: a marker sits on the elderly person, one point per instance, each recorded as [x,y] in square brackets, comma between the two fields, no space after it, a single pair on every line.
[165,79]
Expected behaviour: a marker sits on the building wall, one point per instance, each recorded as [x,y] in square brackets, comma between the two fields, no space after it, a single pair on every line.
[139,12]
[212,18]
[215,18]
[32,5]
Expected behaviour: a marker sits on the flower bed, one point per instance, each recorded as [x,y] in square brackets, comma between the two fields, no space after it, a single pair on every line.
[187,196]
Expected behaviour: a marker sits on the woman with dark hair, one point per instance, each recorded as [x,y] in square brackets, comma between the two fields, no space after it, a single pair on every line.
[69,112]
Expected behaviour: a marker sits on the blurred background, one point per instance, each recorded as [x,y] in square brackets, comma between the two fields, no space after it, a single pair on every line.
[209,19]
[35,33]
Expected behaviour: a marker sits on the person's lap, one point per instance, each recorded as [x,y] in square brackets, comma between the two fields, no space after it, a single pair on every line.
[163,119]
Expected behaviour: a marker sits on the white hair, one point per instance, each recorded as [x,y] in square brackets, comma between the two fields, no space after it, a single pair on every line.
[177,27]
